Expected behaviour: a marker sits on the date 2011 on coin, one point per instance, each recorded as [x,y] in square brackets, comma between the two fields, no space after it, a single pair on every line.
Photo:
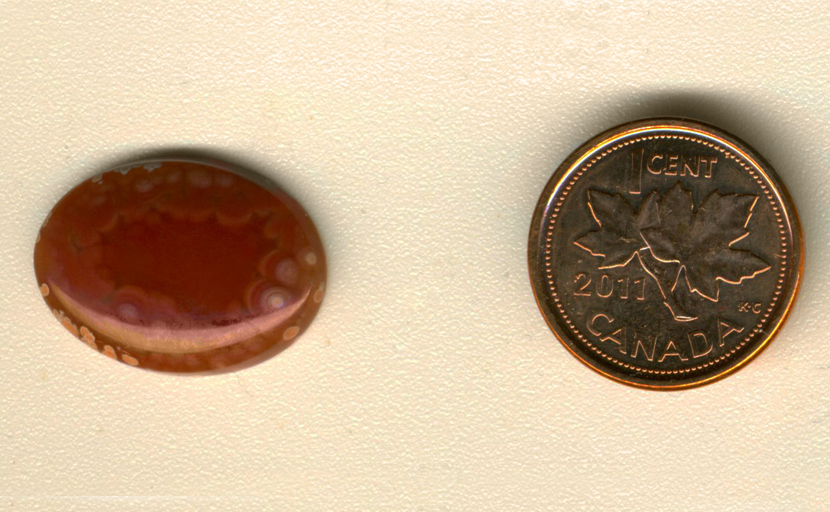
[665,253]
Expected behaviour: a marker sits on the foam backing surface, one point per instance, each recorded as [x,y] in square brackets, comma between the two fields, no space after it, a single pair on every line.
[418,135]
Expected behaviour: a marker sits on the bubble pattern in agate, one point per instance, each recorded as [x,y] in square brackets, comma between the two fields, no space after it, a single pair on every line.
[182,266]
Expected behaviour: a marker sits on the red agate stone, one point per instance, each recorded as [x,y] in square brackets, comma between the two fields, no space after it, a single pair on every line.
[180,266]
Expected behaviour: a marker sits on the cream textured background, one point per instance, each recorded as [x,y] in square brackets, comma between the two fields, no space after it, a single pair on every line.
[419,136]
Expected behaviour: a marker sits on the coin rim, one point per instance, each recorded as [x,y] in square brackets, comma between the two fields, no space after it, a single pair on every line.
[562,174]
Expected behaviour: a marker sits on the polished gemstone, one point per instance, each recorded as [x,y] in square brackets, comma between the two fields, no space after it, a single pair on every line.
[181,266]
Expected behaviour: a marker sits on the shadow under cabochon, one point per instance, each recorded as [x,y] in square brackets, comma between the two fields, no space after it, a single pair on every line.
[180,266]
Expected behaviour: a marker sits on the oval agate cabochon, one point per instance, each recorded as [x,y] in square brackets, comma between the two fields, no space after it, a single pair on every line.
[180,266]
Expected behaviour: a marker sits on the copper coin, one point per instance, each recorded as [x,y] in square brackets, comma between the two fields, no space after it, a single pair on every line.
[665,253]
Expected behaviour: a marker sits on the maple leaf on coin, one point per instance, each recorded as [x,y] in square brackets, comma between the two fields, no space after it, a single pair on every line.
[701,240]
[684,250]
[618,238]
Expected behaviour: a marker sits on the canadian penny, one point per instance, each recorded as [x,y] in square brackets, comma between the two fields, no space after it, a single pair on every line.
[665,253]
